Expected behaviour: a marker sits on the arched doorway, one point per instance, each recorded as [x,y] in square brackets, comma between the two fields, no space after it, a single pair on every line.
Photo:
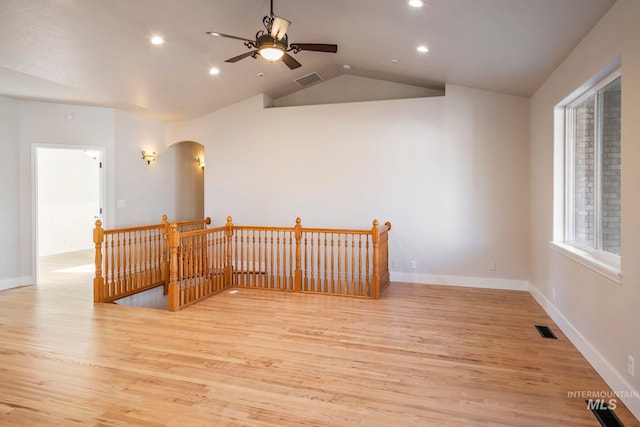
[189,180]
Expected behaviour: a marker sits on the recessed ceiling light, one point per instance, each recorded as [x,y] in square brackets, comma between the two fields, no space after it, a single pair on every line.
[157,40]
[416,3]
[423,49]
[214,71]
[395,61]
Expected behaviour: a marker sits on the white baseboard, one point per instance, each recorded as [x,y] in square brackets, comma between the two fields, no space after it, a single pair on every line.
[16,282]
[469,282]
[608,373]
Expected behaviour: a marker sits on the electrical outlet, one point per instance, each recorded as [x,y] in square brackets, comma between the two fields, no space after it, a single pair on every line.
[492,266]
[394,263]
[413,263]
[631,366]
[553,293]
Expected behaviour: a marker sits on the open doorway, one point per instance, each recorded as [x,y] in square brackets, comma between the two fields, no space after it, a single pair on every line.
[69,199]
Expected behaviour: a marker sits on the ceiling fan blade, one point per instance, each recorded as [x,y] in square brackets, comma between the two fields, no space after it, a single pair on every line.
[290,62]
[239,57]
[217,34]
[316,47]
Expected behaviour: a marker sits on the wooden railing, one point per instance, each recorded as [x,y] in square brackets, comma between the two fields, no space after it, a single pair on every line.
[312,260]
[132,260]
[194,262]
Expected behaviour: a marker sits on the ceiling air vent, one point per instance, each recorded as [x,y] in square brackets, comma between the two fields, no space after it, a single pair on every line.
[308,80]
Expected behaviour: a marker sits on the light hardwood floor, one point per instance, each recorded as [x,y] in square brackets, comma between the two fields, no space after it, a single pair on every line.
[420,356]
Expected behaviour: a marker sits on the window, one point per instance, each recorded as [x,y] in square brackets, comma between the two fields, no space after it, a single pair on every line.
[592,170]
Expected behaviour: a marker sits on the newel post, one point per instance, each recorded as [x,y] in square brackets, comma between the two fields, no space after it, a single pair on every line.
[297,275]
[228,262]
[98,280]
[174,290]
[164,256]
[375,238]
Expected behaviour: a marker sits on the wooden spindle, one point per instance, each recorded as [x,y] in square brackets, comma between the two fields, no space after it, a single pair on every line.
[367,269]
[118,264]
[228,263]
[318,285]
[345,269]
[308,263]
[339,286]
[272,282]
[352,265]
[253,258]
[140,260]
[112,280]
[375,237]
[360,264]
[326,263]
[260,261]
[277,284]
[297,281]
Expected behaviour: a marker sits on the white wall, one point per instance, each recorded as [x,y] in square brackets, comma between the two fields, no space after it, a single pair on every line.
[12,271]
[450,173]
[600,316]
[350,88]
[148,190]
[59,124]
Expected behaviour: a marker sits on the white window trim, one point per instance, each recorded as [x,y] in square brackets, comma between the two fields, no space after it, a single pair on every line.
[606,264]
[597,261]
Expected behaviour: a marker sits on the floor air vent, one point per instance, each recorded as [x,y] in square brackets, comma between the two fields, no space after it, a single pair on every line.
[604,414]
[308,80]
[546,332]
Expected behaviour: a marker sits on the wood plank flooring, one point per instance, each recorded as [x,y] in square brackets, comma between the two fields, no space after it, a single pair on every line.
[420,356]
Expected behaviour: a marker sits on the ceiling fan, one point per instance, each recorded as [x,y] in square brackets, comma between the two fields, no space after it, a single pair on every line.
[273,44]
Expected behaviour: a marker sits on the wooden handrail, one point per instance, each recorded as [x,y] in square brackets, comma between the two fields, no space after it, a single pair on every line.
[130,229]
[195,263]
[192,233]
[129,260]
[198,224]
[332,261]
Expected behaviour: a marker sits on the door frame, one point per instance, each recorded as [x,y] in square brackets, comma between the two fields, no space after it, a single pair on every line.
[102,156]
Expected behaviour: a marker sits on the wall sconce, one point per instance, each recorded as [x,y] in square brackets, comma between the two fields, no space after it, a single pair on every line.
[201,162]
[149,157]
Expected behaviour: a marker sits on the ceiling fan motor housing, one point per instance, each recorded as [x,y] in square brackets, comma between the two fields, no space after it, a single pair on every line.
[266,40]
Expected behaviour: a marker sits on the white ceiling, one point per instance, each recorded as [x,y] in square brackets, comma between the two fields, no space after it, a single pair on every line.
[97,52]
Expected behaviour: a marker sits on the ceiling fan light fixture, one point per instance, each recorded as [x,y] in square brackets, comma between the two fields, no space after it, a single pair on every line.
[270,48]
[271,53]
[272,43]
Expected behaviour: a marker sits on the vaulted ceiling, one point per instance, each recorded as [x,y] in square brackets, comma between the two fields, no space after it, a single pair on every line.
[97,52]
